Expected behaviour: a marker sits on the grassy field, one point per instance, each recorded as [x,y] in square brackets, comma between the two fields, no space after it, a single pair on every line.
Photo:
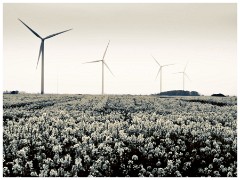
[122,135]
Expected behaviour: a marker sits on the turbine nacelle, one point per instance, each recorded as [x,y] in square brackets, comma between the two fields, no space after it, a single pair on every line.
[102,62]
[42,39]
[184,74]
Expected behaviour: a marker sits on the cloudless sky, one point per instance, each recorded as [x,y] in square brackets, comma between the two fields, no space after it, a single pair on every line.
[204,35]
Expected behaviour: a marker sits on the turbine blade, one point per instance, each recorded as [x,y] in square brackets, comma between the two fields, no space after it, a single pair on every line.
[177,72]
[156,61]
[158,73]
[40,52]
[31,29]
[167,65]
[106,50]
[185,67]
[92,61]
[56,34]
[108,68]
[187,76]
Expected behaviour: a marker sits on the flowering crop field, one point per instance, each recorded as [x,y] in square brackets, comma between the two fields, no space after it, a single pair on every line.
[118,136]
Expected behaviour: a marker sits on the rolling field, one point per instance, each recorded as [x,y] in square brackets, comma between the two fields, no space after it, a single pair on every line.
[93,135]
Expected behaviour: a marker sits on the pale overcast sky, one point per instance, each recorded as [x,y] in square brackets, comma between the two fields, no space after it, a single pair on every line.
[204,35]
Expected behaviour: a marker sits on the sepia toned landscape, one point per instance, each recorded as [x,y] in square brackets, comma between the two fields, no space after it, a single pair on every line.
[119,90]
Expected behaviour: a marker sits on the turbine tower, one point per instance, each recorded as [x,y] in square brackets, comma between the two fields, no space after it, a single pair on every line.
[160,71]
[41,51]
[103,63]
[183,74]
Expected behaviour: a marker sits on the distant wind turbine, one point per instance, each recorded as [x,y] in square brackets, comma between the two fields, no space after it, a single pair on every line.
[160,71]
[184,74]
[57,82]
[41,51]
[103,63]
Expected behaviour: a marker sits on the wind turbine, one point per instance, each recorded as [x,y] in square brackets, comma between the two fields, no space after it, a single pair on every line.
[160,71]
[41,51]
[184,74]
[103,63]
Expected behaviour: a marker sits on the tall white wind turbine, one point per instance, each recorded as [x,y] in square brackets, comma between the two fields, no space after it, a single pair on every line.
[41,51]
[103,63]
[183,75]
[160,71]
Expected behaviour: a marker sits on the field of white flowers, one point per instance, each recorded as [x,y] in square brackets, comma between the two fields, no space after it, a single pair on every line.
[118,136]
